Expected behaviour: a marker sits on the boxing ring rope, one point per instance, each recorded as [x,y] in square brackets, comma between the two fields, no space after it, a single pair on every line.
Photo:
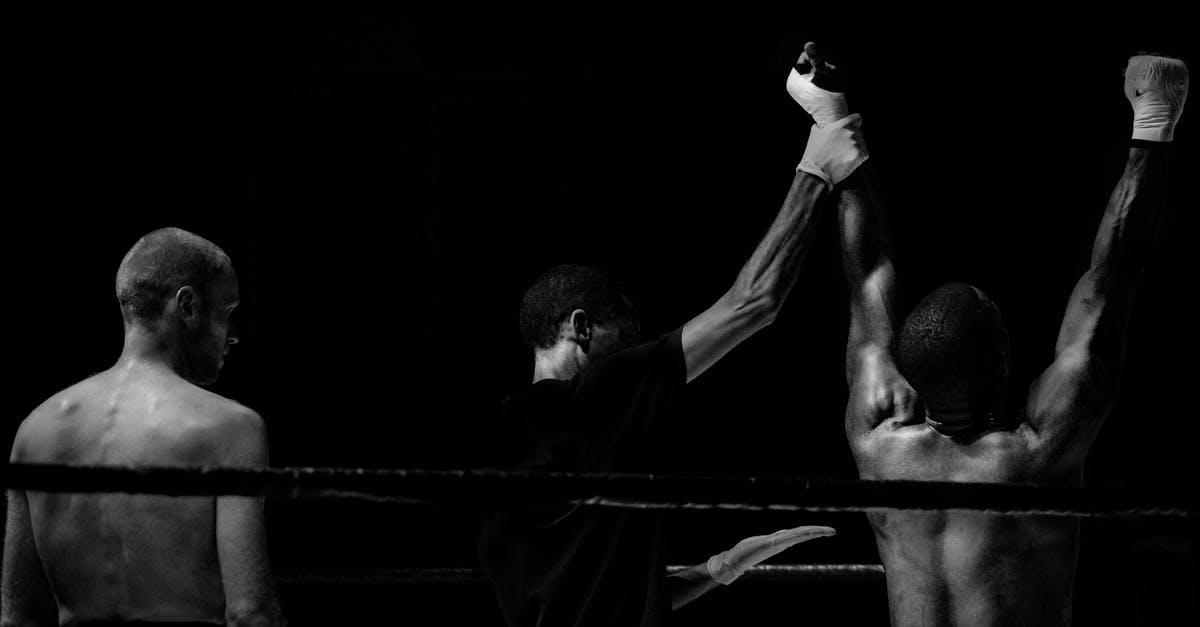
[472,488]
[772,572]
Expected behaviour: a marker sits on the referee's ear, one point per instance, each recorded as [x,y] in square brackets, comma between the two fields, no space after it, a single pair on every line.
[581,328]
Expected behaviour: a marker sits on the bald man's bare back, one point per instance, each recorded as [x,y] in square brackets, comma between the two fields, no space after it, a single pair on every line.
[143,557]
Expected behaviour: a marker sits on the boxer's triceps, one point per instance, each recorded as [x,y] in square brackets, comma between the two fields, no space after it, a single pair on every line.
[875,383]
[870,275]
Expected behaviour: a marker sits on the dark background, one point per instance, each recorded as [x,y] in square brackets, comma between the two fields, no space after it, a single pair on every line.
[387,186]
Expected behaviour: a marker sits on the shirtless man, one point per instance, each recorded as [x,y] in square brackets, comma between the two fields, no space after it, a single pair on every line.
[960,568]
[105,559]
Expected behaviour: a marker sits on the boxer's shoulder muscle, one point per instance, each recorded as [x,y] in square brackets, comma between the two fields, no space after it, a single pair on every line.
[897,451]
[917,452]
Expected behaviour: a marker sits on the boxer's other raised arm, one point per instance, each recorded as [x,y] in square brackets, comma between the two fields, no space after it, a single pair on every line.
[1069,401]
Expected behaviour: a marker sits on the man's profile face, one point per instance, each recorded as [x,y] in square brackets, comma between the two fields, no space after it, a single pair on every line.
[606,340]
[209,339]
[616,335]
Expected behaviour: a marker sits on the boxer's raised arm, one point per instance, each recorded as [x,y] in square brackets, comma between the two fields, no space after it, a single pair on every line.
[1069,402]
[877,390]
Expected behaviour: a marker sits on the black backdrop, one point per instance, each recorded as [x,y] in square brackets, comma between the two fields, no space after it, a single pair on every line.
[388,184]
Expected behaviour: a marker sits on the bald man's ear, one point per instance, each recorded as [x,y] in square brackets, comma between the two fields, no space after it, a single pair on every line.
[185,302]
[581,328]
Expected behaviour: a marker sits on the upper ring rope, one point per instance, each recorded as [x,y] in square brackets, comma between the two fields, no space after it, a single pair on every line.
[490,488]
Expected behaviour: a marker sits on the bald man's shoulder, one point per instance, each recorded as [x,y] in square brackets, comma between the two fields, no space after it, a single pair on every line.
[50,433]
[176,423]
[234,434]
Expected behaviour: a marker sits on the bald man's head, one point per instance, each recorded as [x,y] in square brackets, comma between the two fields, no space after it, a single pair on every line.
[160,264]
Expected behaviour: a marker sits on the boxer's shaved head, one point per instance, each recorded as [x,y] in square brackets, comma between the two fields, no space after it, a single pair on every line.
[953,349]
[159,264]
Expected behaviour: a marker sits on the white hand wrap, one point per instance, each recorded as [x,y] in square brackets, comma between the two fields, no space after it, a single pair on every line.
[825,106]
[835,150]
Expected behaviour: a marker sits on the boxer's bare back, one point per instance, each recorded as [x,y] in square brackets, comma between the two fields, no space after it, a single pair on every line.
[968,568]
[976,568]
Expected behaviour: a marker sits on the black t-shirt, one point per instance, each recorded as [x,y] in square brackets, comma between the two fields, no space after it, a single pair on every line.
[575,564]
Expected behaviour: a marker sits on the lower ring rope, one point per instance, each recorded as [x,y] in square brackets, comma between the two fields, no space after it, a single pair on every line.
[775,572]
[488,488]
